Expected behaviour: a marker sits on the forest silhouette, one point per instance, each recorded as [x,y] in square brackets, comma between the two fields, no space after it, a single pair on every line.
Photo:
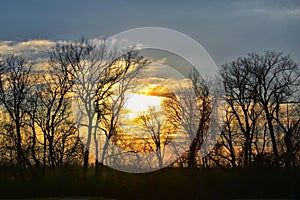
[47,151]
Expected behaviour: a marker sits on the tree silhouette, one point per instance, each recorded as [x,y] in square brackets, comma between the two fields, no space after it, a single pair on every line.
[256,87]
[16,86]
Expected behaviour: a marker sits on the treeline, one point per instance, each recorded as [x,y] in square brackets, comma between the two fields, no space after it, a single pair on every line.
[262,123]
[38,128]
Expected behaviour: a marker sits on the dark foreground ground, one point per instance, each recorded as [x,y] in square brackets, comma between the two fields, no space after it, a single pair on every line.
[171,183]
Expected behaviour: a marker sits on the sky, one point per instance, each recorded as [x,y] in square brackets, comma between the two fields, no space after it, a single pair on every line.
[226,29]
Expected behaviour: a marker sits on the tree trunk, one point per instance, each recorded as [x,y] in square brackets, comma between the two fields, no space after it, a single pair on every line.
[273,139]
[288,144]
[88,143]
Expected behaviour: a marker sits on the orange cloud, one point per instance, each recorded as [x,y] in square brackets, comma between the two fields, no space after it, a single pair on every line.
[160,91]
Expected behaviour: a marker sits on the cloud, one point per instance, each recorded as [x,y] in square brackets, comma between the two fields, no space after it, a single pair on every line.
[161,87]
[278,13]
[32,47]
[35,50]
[161,71]
[269,9]
[294,12]
[159,91]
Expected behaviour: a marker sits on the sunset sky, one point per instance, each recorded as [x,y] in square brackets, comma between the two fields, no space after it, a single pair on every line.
[226,29]
[155,82]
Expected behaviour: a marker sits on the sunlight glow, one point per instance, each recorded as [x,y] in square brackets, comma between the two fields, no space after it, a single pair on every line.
[138,103]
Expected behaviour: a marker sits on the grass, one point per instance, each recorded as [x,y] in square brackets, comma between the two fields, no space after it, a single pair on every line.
[171,183]
[67,198]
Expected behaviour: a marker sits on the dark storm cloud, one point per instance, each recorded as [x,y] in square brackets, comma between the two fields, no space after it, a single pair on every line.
[226,29]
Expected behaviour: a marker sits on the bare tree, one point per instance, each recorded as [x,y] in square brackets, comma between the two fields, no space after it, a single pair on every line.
[191,110]
[287,117]
[227,142]
[115,102]
[276,76]
[153,123]
[70,58]
[204,104]
[257,85]
[242,103]
[94,71]
[16,84]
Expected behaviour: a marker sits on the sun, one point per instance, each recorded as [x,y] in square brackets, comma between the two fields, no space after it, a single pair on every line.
[136,104]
